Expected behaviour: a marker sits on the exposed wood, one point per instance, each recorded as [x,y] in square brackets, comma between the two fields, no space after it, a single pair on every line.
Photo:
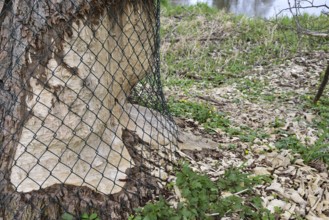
[67,68]
[55,200]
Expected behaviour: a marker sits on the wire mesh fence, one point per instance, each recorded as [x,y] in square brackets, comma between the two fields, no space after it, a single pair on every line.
[84,124]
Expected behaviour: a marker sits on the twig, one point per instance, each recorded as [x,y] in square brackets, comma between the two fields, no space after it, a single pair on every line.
[207,98]
[212,214]
[242,191]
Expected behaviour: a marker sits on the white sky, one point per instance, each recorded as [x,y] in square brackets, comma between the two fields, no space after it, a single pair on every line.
[262,8]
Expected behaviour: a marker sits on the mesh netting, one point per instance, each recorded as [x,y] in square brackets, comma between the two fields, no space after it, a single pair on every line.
[84,124]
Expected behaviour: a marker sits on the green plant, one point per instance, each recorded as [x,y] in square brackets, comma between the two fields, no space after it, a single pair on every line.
[199,191]
[202,198]
[196,58]
[164,3]
[319,150]
[200,8]
[291,142]
[84,216]
[92,216]
[67,216]
[234,180]
[244,43]
[247,134]
[277,123]
[204,114]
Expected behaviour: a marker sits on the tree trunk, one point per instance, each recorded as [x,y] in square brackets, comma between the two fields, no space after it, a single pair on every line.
[67,70]
[322,86]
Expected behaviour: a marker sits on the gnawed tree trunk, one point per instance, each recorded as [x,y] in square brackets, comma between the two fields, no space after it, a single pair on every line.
[67,69]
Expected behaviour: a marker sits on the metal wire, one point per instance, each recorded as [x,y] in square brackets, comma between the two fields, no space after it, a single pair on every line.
[84,124]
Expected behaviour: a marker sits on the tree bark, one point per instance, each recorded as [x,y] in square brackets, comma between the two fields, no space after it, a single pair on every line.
[322,86]
[67,69]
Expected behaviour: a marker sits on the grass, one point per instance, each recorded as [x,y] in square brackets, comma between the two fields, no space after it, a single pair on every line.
[206,115]
[253,89]
[211,119]
[319,150]
[227,46]
[203,48]
[192,11]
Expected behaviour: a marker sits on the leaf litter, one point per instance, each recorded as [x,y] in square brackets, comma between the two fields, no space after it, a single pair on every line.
[267,98]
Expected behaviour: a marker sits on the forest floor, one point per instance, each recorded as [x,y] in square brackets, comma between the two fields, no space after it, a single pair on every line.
[248,85]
